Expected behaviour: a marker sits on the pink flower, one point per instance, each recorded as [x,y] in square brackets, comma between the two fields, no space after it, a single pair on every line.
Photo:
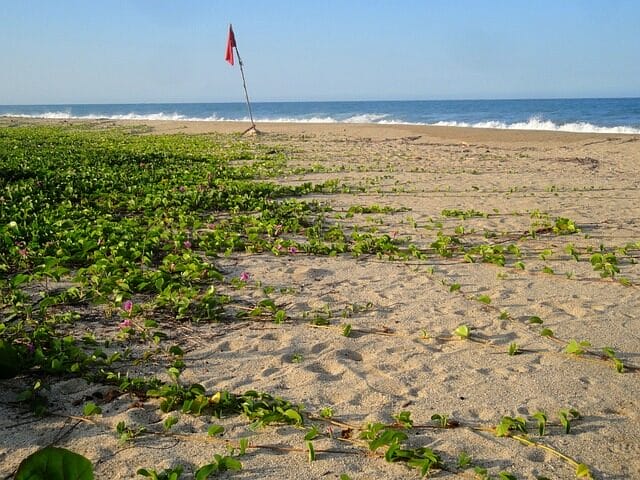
[293,250]
[126,323]
[22,252]
[187,244]
[127,306]
[244,276]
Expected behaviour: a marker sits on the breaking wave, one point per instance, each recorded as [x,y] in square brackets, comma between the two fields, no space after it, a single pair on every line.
[533,123]
[536,123]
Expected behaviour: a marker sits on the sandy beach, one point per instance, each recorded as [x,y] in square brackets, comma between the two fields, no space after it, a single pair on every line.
[546,201]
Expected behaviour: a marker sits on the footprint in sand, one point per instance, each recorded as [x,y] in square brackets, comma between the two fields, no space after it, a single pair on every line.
[318,347]
[324,375]
[306,275]
[349,355]
[267,372]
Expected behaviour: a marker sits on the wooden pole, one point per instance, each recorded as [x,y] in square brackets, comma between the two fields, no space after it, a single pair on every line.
[246,95]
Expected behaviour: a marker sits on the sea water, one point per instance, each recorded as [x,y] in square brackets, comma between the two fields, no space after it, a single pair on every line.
[602,115]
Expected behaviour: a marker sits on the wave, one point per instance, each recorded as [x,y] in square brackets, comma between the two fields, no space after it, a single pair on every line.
[166,116]
[533,123]
[366,118]
[536,123]
[95,116]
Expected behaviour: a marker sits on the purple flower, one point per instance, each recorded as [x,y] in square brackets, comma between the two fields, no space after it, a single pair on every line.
[293,250]
[127,306]
[244,276]
[187,244]
[31,348]
[126,323]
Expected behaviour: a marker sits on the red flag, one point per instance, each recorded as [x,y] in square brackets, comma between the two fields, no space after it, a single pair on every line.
[231,43]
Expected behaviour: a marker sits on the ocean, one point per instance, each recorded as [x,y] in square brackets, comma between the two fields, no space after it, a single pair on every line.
[601,115]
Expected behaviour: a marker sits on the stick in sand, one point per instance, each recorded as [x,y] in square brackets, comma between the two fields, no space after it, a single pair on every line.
[231,44]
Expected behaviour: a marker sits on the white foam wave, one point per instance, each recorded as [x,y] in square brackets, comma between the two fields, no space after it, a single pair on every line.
[293,120]
[533,123]
[536,123]
[366,118]
[166,116]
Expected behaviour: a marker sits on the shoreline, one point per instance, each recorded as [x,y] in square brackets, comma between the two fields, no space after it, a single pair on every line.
[356,130]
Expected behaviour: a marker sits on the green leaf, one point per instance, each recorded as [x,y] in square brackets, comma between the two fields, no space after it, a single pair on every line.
[464,460]
[243,444]
[619,366]
[20,279]
[230,463]
[576,348]
[486,299]
[582,471]
[546,332]
[293,415]
[205,471]
[404,419]
[9,361]
[176,350]
[564,420]
[542,421]
[280,316]
[53,463]
[147,473]
[625,281]
[442,420]
[214,430]
[462,331]
[346,330]
[454,287]
[508,424]
[326,412]
[91,408]
[312,433]
[169,422]
[268,303]
[312,452]
[535,320]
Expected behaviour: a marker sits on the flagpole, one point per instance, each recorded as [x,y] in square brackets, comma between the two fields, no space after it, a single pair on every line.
[246,93]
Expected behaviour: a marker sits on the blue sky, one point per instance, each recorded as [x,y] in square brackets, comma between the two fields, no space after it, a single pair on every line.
[129,51]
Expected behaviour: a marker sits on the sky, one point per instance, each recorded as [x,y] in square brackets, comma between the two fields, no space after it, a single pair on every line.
[154,51]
